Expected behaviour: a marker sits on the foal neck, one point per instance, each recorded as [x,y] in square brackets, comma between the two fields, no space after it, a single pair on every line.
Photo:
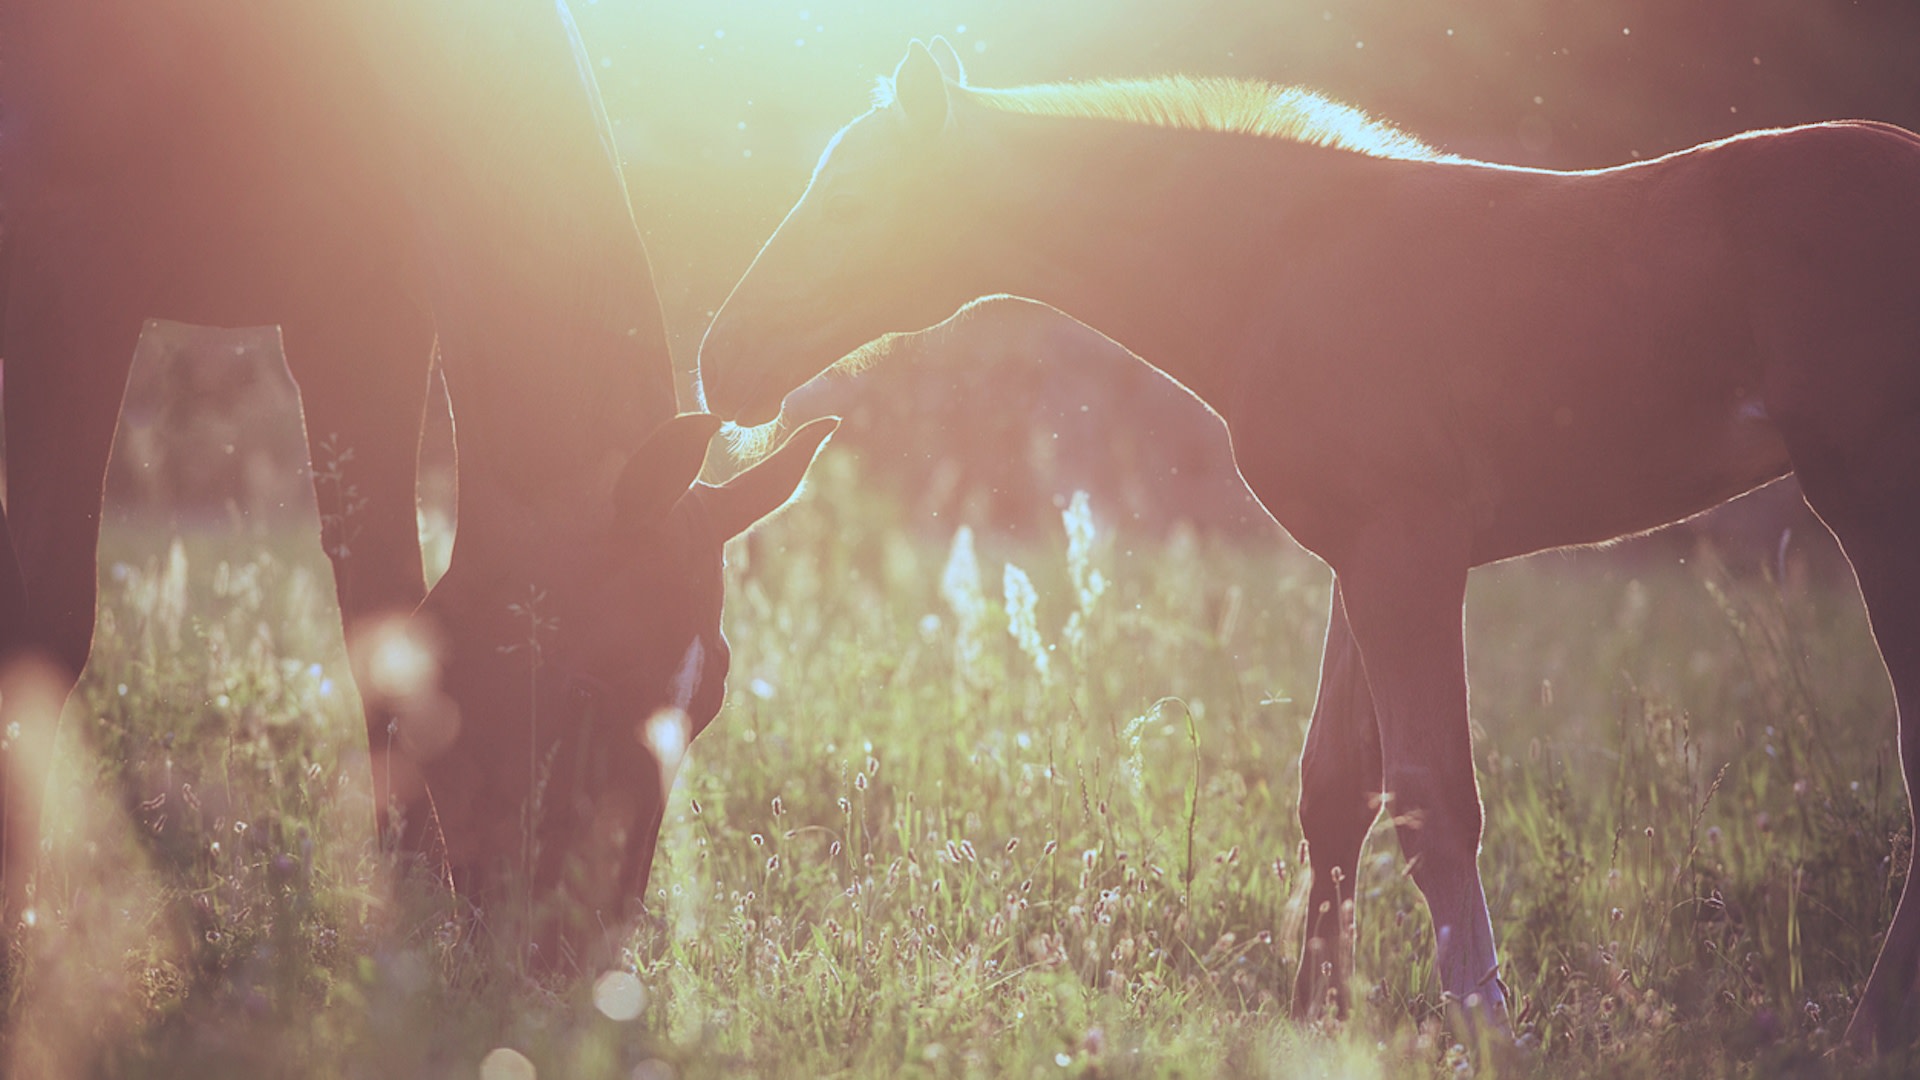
[1159,238]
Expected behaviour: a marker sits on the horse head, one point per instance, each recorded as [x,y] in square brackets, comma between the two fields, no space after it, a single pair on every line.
[580,655]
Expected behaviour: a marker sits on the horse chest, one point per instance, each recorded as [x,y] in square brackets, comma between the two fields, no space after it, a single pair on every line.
[1327,459]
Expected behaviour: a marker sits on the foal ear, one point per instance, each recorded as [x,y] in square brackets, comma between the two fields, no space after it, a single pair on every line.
[734,506]
[948,59]
[663,469]
[921,89]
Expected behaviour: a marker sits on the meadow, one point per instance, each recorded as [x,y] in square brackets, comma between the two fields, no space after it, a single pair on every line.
[987,807]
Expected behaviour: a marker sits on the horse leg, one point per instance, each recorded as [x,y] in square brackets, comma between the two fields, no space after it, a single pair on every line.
[363,377]
[70,340]
[1873,508]
[13,595]
[1339,798]
[1404,591]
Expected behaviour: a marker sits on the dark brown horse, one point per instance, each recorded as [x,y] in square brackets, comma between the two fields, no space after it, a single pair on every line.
[1426,364]
[375,176]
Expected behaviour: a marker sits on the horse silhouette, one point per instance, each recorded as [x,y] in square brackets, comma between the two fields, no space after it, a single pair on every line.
[1426,363]
[378,178]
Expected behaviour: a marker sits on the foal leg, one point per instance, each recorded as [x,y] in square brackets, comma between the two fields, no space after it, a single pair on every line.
[1404,595]
[1339,798]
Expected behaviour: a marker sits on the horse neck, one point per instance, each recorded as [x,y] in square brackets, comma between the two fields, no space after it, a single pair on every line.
[553,382]
[549,325]
[1142,233]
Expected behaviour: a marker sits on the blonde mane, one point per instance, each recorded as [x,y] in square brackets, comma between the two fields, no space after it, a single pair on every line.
[1234,106]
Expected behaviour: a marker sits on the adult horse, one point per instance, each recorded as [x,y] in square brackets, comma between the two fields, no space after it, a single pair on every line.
[1426,364]
[374,177]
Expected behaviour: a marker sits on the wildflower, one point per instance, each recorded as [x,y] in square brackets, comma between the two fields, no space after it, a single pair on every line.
[1022,620]
[960,587]
[1131,738]
[1088,583]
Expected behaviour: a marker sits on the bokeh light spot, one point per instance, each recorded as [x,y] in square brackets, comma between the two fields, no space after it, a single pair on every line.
[666,735]
[619,996]
[653,1069]
[397,658]
[502,1063]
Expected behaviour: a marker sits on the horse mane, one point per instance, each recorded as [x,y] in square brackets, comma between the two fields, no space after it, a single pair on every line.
[1233,106]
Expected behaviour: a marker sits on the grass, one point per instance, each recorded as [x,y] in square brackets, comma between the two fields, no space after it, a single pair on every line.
[918,844]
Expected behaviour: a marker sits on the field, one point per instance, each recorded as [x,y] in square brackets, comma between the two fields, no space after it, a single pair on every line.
[979,808]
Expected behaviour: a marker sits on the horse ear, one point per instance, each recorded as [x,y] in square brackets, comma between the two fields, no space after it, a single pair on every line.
[948,59]
[663,469]
[734,506]
[921,89]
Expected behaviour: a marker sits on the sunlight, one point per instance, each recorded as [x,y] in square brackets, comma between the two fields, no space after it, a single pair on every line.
[1047,749]
[749,444]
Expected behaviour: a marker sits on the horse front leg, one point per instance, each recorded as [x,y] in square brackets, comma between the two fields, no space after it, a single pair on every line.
[1404,593]
[362,363]
[73,320]
[1339,799]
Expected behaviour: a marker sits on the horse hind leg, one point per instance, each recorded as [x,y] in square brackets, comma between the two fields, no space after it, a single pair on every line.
[1871,502]
[1339,799]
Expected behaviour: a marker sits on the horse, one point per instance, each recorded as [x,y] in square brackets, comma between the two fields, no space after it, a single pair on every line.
[1426,364]
[382,180]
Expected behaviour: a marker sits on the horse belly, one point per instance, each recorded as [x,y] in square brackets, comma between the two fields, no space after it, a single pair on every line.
[1647,483]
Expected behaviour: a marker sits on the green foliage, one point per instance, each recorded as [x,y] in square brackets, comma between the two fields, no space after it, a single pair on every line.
[910,847]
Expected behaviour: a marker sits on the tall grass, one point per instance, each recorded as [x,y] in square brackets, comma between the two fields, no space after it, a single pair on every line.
[978,808]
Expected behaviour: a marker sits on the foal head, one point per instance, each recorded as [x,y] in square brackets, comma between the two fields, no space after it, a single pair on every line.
[876,245]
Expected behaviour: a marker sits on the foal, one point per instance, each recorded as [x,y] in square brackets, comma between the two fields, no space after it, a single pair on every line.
[1426,364]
